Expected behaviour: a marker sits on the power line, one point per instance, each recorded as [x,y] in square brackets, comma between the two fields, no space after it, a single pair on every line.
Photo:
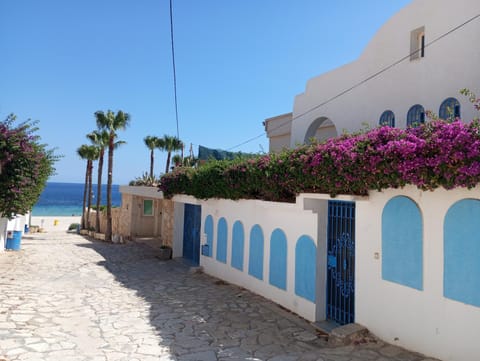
[362,81]
[174,67]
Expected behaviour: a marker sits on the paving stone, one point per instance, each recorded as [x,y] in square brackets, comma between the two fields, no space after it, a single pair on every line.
[72,299]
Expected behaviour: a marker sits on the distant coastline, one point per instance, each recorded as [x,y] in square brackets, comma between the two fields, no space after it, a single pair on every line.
[66,199]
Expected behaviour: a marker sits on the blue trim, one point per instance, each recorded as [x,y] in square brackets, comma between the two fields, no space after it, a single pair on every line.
[238,245]
[222,234]
[402,243]
[256,251]
[278,259]
[209,233]
[305,268]
[462,252]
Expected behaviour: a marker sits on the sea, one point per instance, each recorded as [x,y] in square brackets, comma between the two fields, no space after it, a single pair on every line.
[66,199]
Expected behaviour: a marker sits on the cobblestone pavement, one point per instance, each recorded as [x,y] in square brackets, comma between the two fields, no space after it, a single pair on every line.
[66,298]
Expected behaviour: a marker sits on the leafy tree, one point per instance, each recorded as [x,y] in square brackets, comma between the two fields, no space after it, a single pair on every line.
[90,153]
[111,122]
[25,166]
[100,139]
[169,144]
[151,142]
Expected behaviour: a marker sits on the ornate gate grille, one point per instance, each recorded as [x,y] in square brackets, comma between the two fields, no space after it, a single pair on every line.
[341,262]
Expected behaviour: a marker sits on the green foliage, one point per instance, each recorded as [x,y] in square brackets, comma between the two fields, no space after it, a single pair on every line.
[25,166]
[437,154]
[73,226]
[145,180]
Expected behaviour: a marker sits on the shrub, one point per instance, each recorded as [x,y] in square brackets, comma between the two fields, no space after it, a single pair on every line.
[436,154]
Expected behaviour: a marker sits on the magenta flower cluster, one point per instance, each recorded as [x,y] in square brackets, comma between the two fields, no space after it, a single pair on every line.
[437,154]
[25,166]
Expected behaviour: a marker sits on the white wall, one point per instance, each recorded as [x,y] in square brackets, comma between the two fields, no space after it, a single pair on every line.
[421,320]
[291,218]
[425,320]
[449,65]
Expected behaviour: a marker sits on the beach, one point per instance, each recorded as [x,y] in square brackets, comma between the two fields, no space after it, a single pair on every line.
[52,224]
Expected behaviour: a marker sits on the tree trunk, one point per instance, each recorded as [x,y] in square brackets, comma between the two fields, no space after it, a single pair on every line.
[151,163]
[99,189]
[168,162]
[108,232]
[85,189]
[90,191]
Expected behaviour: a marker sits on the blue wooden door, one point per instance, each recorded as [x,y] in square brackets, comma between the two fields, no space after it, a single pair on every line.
[341,262]
[191,233]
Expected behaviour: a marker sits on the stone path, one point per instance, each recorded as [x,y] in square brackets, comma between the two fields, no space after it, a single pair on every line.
[66,298]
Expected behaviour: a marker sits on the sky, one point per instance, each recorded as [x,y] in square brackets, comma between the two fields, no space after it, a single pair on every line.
[238,62]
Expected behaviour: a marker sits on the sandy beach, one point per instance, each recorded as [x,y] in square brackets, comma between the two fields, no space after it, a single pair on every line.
[54,224]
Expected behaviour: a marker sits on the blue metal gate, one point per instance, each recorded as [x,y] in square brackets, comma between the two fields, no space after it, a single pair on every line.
[191,233]
[341,262]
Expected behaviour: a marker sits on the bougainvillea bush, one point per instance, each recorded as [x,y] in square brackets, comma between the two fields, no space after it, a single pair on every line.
[435,154]
[25,165]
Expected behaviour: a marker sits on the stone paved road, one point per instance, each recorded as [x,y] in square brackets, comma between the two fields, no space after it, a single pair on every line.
[66,298]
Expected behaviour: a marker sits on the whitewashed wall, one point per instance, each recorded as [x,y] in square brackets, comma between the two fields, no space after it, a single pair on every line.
[449,65]
[422,320]
[291,218]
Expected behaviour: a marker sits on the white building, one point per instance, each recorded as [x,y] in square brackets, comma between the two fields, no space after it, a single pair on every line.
[417,62]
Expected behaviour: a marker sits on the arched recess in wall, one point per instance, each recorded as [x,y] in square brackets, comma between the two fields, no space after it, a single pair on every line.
[278,259]
[238,245]
[256,251]
[305,268]
[402,243]
[222,234]
[461,274]
[321,129]
[209,234]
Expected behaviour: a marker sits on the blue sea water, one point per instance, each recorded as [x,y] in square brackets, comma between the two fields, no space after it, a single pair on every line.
[66,199]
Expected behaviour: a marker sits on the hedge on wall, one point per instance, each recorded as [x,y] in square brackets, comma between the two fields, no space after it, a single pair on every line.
[436,154]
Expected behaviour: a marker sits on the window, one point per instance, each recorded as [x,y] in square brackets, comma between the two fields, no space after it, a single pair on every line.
[148,207]
[417,43]
[450,109]
[415,116]
[387,118]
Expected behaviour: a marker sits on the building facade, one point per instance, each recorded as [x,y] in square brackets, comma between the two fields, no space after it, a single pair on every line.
[417,62]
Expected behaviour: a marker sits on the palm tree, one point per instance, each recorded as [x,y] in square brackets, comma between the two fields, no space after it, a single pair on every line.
[111,122]
[169,144]
[151,142]
[90,153]
[99,138]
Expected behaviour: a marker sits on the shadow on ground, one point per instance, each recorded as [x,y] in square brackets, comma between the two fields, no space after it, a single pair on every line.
[203,318]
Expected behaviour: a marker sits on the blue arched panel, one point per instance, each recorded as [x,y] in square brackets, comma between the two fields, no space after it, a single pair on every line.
[255,258]
[278,259]
[222,234]
[209,233]
[462,252]
[238,244]
[402,243]
[305,268]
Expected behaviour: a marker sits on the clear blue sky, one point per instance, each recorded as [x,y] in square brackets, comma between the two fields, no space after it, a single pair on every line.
[238,62]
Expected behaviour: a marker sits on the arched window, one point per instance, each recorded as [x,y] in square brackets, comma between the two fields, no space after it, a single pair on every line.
[387,118]
[415,116]
[450,109]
